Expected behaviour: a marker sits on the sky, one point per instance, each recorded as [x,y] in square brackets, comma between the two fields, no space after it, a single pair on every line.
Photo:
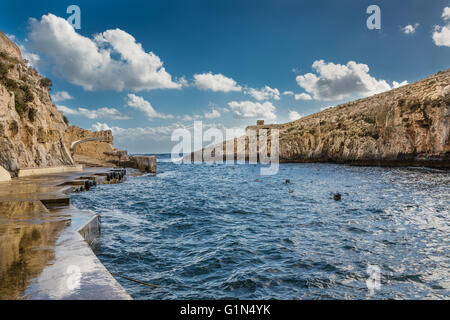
[146,68]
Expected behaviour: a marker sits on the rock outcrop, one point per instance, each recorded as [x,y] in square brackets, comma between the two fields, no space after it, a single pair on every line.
[9,47]
[405,126]
[93,144]
[95,149]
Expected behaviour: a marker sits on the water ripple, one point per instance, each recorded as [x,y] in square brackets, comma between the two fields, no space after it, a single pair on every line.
[217,232]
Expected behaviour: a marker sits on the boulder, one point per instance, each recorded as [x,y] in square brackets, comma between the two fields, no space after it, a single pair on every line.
[145,163]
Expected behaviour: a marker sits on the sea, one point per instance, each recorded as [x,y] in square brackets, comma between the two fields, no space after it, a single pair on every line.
[224,231]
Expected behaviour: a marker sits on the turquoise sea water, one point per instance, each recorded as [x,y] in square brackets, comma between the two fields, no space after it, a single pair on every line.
[224,231]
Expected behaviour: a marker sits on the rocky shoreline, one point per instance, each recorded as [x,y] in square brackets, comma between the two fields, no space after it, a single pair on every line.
[407,126]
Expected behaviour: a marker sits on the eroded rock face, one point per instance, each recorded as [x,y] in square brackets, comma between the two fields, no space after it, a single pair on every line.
[101,150]
[405,123]
[6,45]
[405,126]
[33,133]
[31,128]
[145,163]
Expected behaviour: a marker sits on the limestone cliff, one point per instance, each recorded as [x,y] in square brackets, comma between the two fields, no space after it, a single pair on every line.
[405,126]
[98,145]
[33,132]
[95,149]
[31,128]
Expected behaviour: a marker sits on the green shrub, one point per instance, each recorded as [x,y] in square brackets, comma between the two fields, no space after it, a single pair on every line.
[3,70]
[46,82]
[23,96]
[414,105]
[7,57]
[32,114]
[10,84]
[20,105]
[28,95]
[369,120]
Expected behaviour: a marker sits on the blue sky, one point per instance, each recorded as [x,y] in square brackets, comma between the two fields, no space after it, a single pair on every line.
[218,56]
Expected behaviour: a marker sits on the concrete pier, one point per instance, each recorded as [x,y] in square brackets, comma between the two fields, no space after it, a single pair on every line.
[45,242]
[28,172]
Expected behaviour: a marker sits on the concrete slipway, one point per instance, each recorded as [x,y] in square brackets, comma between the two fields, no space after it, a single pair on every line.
[45,242]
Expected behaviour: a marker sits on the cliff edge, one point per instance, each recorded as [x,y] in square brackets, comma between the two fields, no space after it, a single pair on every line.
[407,126]
[33,132]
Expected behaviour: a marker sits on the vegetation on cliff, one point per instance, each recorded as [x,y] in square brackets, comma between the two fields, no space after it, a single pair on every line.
[33,132]
[31,128]
[405,126]
[409,124]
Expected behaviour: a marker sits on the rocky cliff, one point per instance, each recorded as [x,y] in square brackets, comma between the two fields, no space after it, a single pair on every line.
[33,132]
[405,126]
[31,128]
[100,149]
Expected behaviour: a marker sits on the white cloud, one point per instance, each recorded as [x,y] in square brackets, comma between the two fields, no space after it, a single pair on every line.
[145,133]
[67,110]
[215,82]
[410,29]
[158,139]
[288,93]
[182,81]
[143,105]
[396,84]
[441,34]
[265,93]
[294,115]
[249,109]
[11,37]
[212,115]
[32,58]
[446,13]
[190,117]
[98,126]
[327,107]
[303,96]
[102,113]
[113,60]
[336,81]
[61,96]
